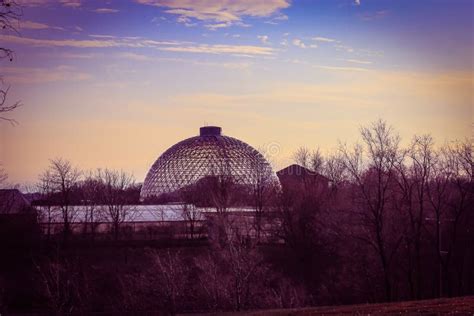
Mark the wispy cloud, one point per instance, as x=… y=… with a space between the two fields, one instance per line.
x=37 y=26
x=263 y=39
x=135 y=57
x=324 y=39
x=99 y=43
x=24 y=75
x=107 y=41
x=345 y=48
x=102 y=36
x=35 y=3
x=221 y=49
x=221 y=12
x=79 y=56
x=299 y=43
x=147 y=58
x=369 y=16
x=337 y=68
x=105 y=10
x=358 y=61
x=277 y=19
x=71 y=3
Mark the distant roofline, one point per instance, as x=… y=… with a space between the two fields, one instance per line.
x=298 y=170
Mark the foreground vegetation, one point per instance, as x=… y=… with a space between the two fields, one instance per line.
x=375 y=222
x=450 y=306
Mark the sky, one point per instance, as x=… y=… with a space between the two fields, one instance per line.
x=115 y=83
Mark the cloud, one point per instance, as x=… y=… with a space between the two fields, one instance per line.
x=357 y=2
x=102 y=36
x=222 y=49
x=213 y=27
x=43 y=3
x=297 y=42
x=263 y=39
x=71 y=3
x=79 y=56
x=277 y=19
x=324 y=39
x=135 y=57
x=103 y=42
x=357 y=61
x=105 y=10
x=221 y=12
x=26 y=75
x=345 y=48
x=370 y=16
x=37 y=26
x=146 y=58
x=337 y=68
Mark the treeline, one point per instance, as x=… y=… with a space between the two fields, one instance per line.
x=371 y=222
x=63 y=183
x=395 y=223
x=63 y=186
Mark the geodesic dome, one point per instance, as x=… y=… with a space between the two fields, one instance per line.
x=209 y=154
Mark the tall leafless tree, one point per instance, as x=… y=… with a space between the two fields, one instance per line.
x=413 y=175
x=221 y=186
x=46 y=189
x=64 y=178
x=191 y=214
x=91 y=190
x=372 y=168
x=264 y=188
x=113 y=186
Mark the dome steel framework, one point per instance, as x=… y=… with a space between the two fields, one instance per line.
x=209 y=154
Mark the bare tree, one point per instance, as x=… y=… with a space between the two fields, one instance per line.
x=63 y=177
x=10 y=13
x=172 y=275
x=311 y=161
x=61 y=285
x=221 y=186
x=91 y=190
x=372 y=169
x=335 y=170
x=190 y=212
x=3 y=176
x=46 y=189
x=451 y=196
x=413 y=175
x=264 y=188
x=113 y=186
x=231 y=270
x=244 y=262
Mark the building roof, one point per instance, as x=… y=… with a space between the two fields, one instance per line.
x=296 y=171
x=12 y=201
x=209 y=154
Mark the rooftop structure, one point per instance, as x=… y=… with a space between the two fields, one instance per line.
x=210 y=154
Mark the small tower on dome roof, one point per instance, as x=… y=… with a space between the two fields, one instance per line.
x=210 y=131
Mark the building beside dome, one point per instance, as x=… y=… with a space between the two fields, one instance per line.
x=210 y=155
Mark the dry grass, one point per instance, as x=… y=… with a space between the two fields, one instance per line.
x=444 y=306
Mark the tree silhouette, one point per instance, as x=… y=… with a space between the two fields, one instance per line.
x=10 y=13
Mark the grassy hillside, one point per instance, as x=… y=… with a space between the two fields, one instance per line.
x=444 y=306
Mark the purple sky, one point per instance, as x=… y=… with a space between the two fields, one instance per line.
x=115 y=83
